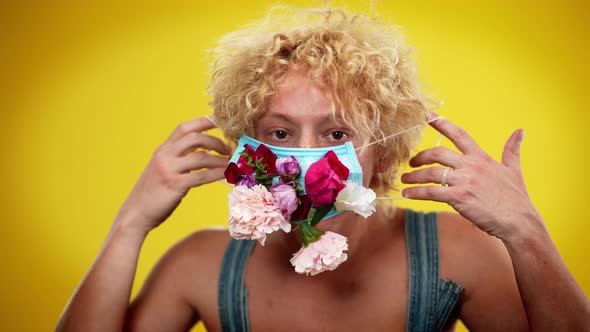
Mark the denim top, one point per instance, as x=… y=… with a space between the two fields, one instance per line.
x=430 y=303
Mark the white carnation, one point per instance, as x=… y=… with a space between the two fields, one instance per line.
x=356 y=198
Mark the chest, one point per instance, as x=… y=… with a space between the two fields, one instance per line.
x=368 y=292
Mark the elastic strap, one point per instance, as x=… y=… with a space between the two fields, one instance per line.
x=401 y=132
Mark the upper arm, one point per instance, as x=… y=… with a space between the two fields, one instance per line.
x=160 y=305
x=491 y=300
x=178 y=286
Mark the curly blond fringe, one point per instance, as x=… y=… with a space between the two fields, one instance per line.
x=361 y=63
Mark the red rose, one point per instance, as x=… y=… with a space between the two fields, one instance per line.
x=266 y=157
x=251 y=161
x=243 y=160
x=236 y=171
x=232 y=173
x=323 y=180
x=303 y=208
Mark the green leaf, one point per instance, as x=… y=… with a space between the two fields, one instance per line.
x=309 y=234
x=260 y=167
x=321 y=212
x=249 y=160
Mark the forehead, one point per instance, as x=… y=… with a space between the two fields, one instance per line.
x=296 y=95
x=296 y=91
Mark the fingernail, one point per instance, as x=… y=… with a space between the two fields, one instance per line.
x=404 y=194
x=521 y=136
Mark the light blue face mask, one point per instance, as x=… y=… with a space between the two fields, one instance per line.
x=307 y=156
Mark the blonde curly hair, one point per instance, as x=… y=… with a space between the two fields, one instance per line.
x=361 y=63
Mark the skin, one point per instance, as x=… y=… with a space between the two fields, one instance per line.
x=498 y=249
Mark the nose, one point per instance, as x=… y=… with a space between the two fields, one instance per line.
x=308 y=141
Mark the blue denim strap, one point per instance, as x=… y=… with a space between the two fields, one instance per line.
x=423 y=265
x=448 y=295
x=232 y=295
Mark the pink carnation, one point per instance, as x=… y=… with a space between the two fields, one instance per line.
x=325 y=254
x=254 y=213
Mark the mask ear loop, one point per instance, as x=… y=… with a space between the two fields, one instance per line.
x=403 y=132
x=210 y=118
x=440 y=137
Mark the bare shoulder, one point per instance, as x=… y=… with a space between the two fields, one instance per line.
x=206 y=245
x=481 y=264
x=194 y=257
x=464 y=247
x=182 y=286
x=195 y=262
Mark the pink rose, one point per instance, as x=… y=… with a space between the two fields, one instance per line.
x=322 y=255
x=286 y=196
x=323 y=180
x=288 y=167
x=254 y=213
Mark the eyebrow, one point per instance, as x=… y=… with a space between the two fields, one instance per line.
x=280 y=116
x=289 y=119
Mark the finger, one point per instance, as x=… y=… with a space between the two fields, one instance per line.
x=439 y=154
x=194 y=140
x=200 y=160
x=430 y=175
x=511 y=153
x=462 y=140
x=196 y=125
x=195 y=179
x=429 y=193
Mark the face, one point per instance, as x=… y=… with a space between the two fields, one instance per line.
x=299 y=116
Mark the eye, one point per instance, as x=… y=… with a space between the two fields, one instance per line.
x=338 y=135
x=280 y=134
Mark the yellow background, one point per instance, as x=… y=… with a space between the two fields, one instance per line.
x=88 y=90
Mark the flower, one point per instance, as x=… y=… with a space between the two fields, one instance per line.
x=268 y=197
x=246 y=180
x=233 y=173
x=286 y=196
x=323 y=180
x=267 y=158
x=236 y=171
x=262 y=161
x=302 y=209
x=356 y=198
x=245 y=156
x=288 y=167
x=324 y=254
x=254 y=213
